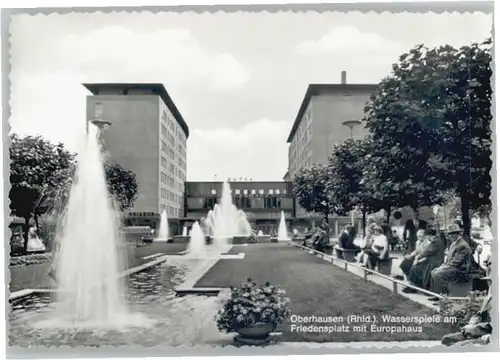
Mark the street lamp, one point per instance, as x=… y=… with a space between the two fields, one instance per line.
x=351 y=124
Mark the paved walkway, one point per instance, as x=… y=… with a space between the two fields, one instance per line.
x=419 y=298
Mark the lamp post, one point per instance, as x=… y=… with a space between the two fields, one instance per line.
x=351 y=124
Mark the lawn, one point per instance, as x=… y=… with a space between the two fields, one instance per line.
x=316 y=288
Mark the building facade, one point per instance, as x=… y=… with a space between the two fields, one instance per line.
x=329 y=114
x=262 y=202
x=324 y=119
x=148 y=136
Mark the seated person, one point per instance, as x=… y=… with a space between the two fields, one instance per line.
x=371 y=225
x=457 y=266
x=321 y=240
x=430 y=255
x=409 y=259
x=479 y=328
x=346 y=239
x=379 y=250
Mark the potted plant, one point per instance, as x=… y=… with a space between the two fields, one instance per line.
x=253 y=312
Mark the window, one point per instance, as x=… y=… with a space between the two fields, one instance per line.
x=164 y=116
x=214 y=192
x=164 y=162
x=245 y=192
x=261 y=192
x=270 y=191
x=253 y=192
x=163 y=178
x=164 y=146
x=237 y=191
x=98 y=111
x=163 y=130
x=277 y=191
x=163 y=193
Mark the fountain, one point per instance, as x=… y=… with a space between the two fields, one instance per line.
x=282 y=231
x=90 y=292
x=225 y=221
x=163 y=233
x=185 y=231
x=197 y=248
x=260 y=233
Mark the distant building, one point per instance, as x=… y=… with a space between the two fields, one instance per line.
x=321 y=121
x=148 y=135
x=262 y=202
x=325 y=118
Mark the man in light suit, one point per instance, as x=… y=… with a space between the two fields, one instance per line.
x=457 y=265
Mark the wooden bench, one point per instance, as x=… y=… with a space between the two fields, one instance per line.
x=385 y=267
x=345 y=254
x=147 y=239
x=460 y=289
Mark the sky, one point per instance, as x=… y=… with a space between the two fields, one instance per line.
x=238 y=79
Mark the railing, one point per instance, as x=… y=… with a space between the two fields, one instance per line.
x=366 y=271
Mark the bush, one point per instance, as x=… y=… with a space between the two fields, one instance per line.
x=251 y=304
x=462 y=311
x=30 y=259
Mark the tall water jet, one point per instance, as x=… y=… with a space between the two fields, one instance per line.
x=282 y=231
x=185 y=231
x=90 y=259
x=163 y=233
x=226 y=220
x=196 y=247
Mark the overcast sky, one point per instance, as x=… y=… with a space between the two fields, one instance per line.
x=237 y=79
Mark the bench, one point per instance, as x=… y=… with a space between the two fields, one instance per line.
x=460 y=289
x=147 y=239
x=345 y=254
x=385 y=267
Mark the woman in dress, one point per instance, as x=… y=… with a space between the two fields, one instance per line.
x=379 y=250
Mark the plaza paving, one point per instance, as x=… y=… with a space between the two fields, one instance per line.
x=35 y=276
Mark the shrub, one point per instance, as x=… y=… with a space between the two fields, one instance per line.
x=250 y=304
x=462 y=311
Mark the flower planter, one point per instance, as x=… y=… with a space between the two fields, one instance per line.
x=256 y=334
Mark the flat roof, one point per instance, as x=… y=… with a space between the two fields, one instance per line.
x=156 y=89
x=237 y=182
x=318 y=89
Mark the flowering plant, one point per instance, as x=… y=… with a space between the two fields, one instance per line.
x=250 y=304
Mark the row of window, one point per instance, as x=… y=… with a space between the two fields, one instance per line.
x=271 y=202
x=171 y=196
x=168 y=119
x=172 y=211
x=253 y=192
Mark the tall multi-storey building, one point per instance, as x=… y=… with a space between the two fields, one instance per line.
x=325 y=117
x=329 y=114
x=148 y=135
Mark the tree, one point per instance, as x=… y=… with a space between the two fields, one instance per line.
x=399 y=173
x=122 y=184
x=430 y=121
x=38 y=169
x=309 y=188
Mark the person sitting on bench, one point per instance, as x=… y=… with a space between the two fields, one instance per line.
x=346 y=239
x=430 y=256
x=478 y=330
x=457 y=266
x=379 y=250
x=321 y=239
